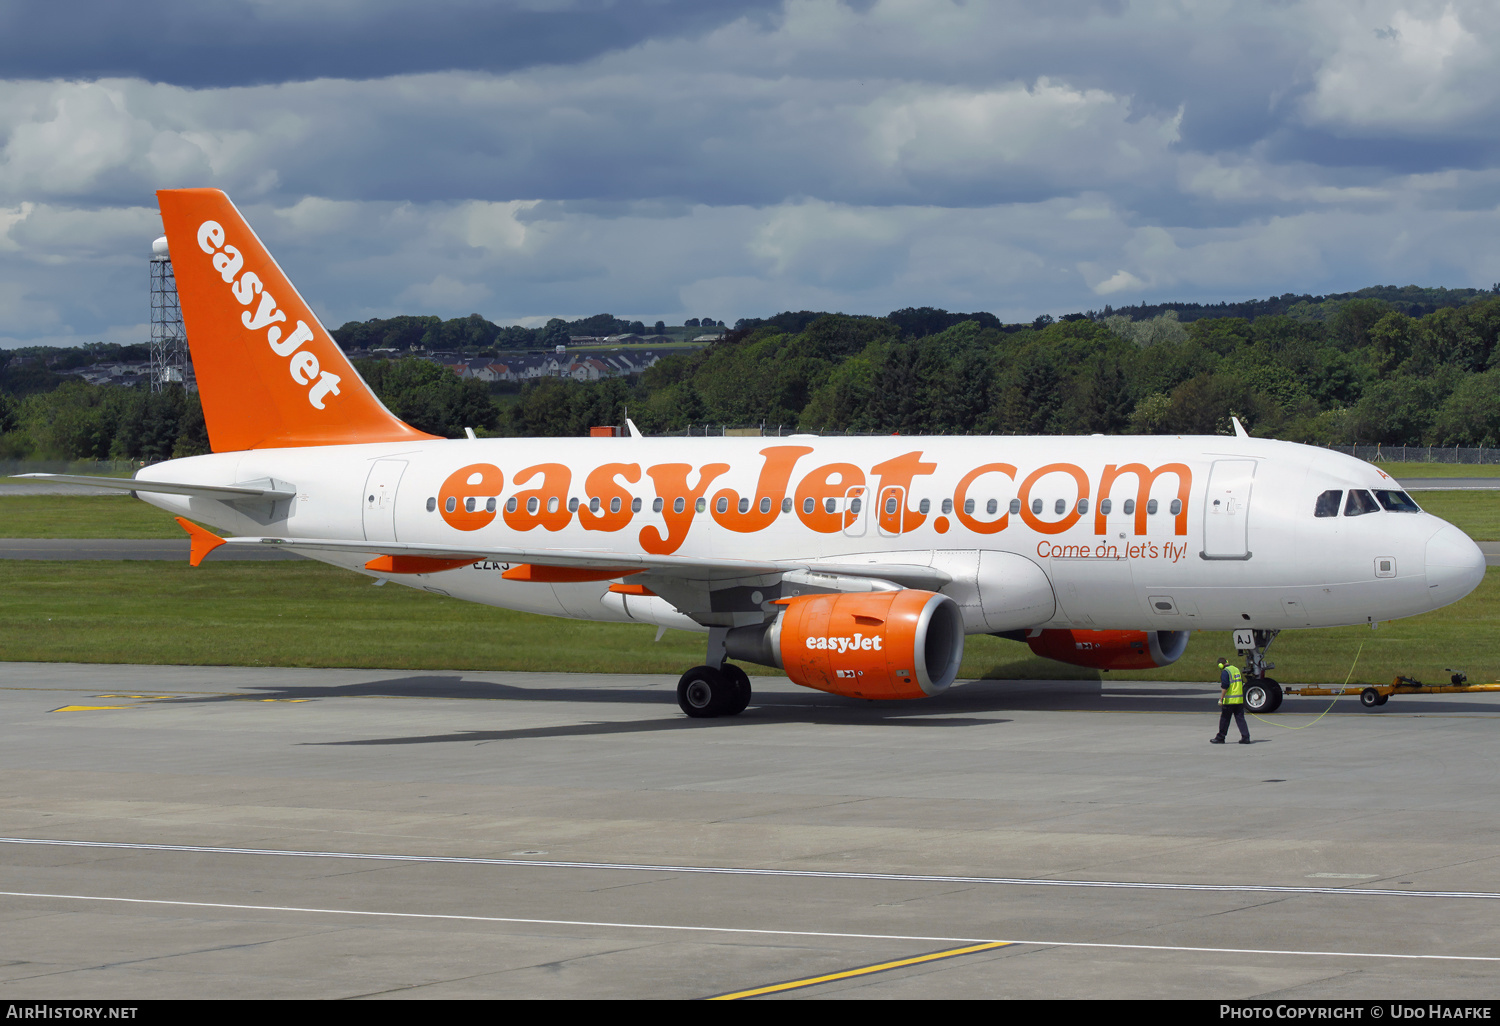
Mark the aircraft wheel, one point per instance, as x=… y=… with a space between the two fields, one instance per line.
x=703 y=692
x=740 y=680
x=1370 y=698
x=1263 y=695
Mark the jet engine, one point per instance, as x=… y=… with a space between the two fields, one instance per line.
x=885 y=644
x=1110 y=650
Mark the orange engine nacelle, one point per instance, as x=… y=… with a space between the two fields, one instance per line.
x=883 y=644
x=1110 y=650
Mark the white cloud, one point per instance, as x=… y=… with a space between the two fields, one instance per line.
x=1019 y=157
x=1417 y=68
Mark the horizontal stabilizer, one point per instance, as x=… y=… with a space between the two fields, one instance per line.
x=221 y=493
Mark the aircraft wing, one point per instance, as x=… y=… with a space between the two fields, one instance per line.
x=692 y=568
x=266 y=491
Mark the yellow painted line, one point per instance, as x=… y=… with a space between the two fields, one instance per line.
x=866 y=970
x=91 y=708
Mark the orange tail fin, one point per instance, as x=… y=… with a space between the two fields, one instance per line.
x=268 y=374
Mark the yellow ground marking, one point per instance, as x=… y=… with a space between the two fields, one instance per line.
x=866 y=970
x=91 y=708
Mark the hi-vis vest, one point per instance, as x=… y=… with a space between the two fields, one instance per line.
x=1236 y=693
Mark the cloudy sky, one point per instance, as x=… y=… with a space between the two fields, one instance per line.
x=672 y=158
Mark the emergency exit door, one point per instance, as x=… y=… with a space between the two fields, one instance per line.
x=1226 y=510
x=380 y=499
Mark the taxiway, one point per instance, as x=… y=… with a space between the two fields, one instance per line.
x=199 y=831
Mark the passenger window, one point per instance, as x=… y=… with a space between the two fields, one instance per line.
x=657 y=505
x=1328 y=503
x=807 y=505
x=1060 y=506
x=1129 y=506
x=1083 y=506
x=1015 y=505
x=678 y=504
x=1397 y=502
x=1359 y=503
x=969 y=507
x=745 y=505
x=991 y=507
x=765 y=504
x=947 y=506
x=635 y=505
x=786 y=505
x=924 y=506
x=1036 y=505
x=1151 y=507
x=1176 y=506
x=1105 y=506
x=723 y=505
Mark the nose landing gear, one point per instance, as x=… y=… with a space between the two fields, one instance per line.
x=1262 y=694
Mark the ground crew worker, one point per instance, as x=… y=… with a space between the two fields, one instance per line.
x=1231 y=702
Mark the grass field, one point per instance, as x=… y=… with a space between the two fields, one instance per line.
x=308 y=614
x=83 y=516
x=1477 y=514
x=1402 y=471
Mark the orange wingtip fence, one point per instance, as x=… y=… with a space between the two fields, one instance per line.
x=204 y=541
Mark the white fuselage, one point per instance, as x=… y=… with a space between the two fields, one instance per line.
x=1223 y=534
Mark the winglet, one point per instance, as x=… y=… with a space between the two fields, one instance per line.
x=204 y=540
x=1239 y=429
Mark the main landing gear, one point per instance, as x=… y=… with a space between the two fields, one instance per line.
x=714 y=690
x=704 y=691
x=1262 y=693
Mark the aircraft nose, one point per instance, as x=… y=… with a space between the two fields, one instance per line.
x=1455 y=566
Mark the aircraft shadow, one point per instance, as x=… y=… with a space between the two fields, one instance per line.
x=966 y=704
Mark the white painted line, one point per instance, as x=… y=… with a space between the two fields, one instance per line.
x=737 y=930
x=812 y=874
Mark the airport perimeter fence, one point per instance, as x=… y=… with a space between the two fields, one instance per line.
x=1419 y=453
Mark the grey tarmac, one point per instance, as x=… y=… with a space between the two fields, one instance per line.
x=546 y=835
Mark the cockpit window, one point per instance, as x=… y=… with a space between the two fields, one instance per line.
x=1328 y=503
x=1359 y=503
x=1397 y=502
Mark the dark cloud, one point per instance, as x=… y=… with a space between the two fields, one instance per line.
x=198 y=44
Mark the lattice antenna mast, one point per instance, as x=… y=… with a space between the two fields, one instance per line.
x=169 y=349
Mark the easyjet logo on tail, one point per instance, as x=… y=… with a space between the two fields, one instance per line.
x=264 y=315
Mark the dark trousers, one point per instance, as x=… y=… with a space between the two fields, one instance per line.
x=1237 y=710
